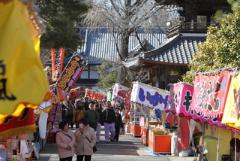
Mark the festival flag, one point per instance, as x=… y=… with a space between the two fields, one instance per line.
x=23 y=82
x=24 y=123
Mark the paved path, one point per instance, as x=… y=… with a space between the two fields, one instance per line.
x=127 y=149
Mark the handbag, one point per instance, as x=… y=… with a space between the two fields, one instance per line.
x=94 y=147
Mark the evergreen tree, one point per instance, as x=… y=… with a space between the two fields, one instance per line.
x=62 y=19
x=222 y=47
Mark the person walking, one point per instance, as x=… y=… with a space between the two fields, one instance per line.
x=86 y=103
x=65 y=141
x=80 y=111
x=70 y=111
x=98 y=109
x=92 y=116
x=118 y=124
x=85 y=141
x=109 y=122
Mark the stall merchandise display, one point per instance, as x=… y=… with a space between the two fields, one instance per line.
x=18 y=148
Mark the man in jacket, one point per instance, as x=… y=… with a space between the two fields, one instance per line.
x=109 y=122
x=92 y=116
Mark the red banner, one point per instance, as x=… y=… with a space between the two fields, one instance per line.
x=13 y=126
x=94 y=95
x=209 y=97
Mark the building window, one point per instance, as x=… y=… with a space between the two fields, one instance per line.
x=93 y=74
x=84 y=74
x=201 y=22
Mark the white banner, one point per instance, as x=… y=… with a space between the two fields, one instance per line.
x=149 y=96
x=117 y=88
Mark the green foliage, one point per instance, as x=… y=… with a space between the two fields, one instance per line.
x=222 y=47
x=61 y=18
x=108 y=75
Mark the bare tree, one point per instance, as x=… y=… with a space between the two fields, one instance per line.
x=125 y=17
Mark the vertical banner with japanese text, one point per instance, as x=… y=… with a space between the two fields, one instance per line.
x=209 y=98
x=71 y=73
x=182 y=98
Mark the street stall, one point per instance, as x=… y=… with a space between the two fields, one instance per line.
x=206 y=115
x=149 y=104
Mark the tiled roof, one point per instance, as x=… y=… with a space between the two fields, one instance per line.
x=100 y=43
x=177 y=50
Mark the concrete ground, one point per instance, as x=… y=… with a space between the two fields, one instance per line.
x=127 y=149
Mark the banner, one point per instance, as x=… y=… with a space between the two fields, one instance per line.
x=94 y=95
x=149 y=96
x=23 y=82
x=121 y=94
x=24 y=123
x=231 y=114
x=53 y=60
x=61 y=60
x=117 y=88
x=210 y=93
x=42 y=124
x=71 y=73
x=181 y=94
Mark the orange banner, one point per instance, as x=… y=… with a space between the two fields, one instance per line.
x=53 y=59
x=61 y=60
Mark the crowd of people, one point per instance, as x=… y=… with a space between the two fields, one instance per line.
x=87 y=117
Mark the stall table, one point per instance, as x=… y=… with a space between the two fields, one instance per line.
x=159 y=143
x=136 y=130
